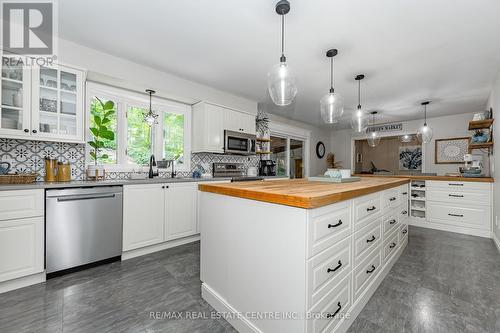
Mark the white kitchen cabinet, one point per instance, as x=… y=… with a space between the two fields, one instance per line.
x=21 y=247
x=143 y=215
x=42 y=103
x=180 y=210
x=210 y=121
x=21 y=233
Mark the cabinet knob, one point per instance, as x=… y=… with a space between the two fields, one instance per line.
x=34 y=131
x=26 y=130
x=163 y=187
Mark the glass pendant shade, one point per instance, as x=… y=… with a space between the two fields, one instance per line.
x=281 y=83
x=150 y=118
x=424 y=134
x=406 y=138
x=332 y=107
x=373 y=139
x=359 y=121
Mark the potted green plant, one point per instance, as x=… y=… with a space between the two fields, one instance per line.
x=100 y=132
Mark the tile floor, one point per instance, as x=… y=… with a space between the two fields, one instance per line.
x=443 y=282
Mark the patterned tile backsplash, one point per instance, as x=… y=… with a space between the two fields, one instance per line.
x=28 y=156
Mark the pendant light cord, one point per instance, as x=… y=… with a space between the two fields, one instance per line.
x=150 y=96
x=331 y=75
x=359 y=94
x=283 y=58
x=425 y=115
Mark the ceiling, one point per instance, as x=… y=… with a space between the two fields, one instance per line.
x=446 y=51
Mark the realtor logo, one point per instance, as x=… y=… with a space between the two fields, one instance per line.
x=28 y=27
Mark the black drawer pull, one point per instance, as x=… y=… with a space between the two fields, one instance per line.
x=392 y=221
x=371 y=239
x=392 y=245
x=455 y=184
x=392 y=199
x=335 y=225
x=371 y=270
x=369 y=209
x=456 y=215
x=404 y=212
x=405 y=231
x=331 y=315
x=404 y=193
x=330 y=270
x=456 y=195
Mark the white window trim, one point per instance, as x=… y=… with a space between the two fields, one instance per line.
x=123 y=99
x=290 y=132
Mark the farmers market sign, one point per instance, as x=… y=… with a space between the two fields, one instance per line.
x=392 y=127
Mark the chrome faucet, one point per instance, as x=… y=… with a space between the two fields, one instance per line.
x=174 y=173
x=153 y=171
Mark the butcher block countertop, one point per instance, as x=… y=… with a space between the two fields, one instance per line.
x=302 y=193
x=444 y=178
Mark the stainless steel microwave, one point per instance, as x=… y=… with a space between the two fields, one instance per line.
x=239 y=143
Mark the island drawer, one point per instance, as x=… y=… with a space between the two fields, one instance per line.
x=457 y=185
x=403 y=232
x=403 y=214
x=366 y=206
x=327 y=226
x=390 y=199
x=403 y=193
x=328 y=313
x=327 y=268
x=366 y=271
x=391 y=244
x=366 y=239
x=459 y=196
x=389 y=222
x=466 y=216
x=21 y=204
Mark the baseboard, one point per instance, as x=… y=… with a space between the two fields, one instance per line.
x=363 y=299
x=159 y=247
x=243 y=325
x=21 y=282
x=240 y=323
x=452 y=228
x=496 y=241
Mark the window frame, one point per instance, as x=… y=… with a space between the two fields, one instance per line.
x=123 y=99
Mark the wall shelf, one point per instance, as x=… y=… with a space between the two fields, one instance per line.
x=480 y=124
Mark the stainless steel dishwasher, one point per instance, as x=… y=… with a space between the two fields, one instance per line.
x=83 y=226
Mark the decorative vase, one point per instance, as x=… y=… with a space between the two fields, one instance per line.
x=95 y=172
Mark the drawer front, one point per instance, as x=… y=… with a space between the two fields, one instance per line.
x=404 y=193
x=327 y=268
x=459 y=196
x=403 y=231
x=333 y=307
x=367 y=238
x=391 y=245
x=327 y=227
x=403 y=213
x=473 y=217
x=366 y=207
x=21 y=204
x=366 y=271
x=390 y=222
x=458 y=186
x=390 y=199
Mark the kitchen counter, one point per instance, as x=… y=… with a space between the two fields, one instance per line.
x=302 y=193
x=444 y=178
x=91 y=183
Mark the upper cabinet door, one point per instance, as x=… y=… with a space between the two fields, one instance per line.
x=239 y=121
x=247 y=123
x=57 y=101
x=15 y=87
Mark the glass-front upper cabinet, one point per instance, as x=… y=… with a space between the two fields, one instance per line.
x=58 y=103
x=15 y=87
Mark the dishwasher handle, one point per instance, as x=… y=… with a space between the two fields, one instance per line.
x=85 y=197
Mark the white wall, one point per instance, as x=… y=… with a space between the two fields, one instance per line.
x=444 y=127
x=494 y=103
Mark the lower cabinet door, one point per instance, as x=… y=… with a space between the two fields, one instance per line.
x=21 y=247
x=143 y=215
x=180 y=210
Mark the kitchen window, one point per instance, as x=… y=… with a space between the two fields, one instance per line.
x=131 y=148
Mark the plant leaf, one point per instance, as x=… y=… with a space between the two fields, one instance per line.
x=92 y=154
x=107 y=134
x=93 y=144
x=105 y=120
x=109 y=105
x=104 y=156
x=94 y=131
x=97 y=120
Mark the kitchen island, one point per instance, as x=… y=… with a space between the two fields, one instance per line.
x=299 y=256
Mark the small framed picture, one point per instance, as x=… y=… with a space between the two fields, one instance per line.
x=451 y=151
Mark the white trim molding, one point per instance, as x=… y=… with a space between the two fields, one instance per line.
x=496 y=241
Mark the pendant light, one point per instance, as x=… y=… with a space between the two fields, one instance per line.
x=405 y=138
x=150 y=117
x=359 y=120
x=373 y=136
x=281 y=81
x=425 y=132
x=332 y=104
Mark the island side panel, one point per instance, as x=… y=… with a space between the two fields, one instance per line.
x=253 y=257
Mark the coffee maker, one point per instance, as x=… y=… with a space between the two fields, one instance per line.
x=267 y=168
